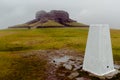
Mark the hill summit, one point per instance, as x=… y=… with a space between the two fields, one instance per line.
x=54 y=18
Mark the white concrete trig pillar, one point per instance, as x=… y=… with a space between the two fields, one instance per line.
x=98 y=57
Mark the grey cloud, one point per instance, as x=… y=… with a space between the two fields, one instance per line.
x=86 y=11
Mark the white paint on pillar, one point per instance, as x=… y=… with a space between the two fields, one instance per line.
x=98 y=57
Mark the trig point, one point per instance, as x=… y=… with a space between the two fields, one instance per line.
x=98 y=55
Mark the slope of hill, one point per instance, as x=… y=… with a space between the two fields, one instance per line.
x=49 y=23
x=76 y=24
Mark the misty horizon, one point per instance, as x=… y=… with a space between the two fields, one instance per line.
x=88 y=11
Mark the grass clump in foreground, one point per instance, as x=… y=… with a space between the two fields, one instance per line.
x=14 y=66
x=19 y=67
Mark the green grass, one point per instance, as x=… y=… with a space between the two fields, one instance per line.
x=49 y=23
x=77 y=24
x=24 y=39
x=15 y=66
x=115 y=34
x=13 y=42
x=57 y=38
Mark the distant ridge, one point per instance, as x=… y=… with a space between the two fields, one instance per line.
x=54 y=18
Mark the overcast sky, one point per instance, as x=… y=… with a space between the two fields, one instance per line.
x=14 y=12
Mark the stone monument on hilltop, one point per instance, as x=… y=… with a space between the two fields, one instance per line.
x=98 y=55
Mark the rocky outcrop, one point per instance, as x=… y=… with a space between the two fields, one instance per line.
x=70 y=68
x=59 y=16
x=54 y=18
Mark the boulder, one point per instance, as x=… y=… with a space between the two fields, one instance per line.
x=82 y=78
x=73 y=75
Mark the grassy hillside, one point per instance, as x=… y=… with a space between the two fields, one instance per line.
x=20 y=26
x=35 y=39
x=24 y=39
x=49 y=23
x=76 y=24
x=14 y=42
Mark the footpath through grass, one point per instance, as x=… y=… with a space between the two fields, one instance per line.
x=13 y=42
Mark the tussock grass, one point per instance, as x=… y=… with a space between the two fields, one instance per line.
x=19 y=67
x=115 y=34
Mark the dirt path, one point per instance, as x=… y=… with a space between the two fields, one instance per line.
x=50 y=55
x=67 y=66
